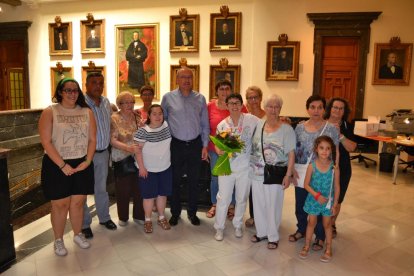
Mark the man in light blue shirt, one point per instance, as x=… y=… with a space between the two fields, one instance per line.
x=186 y=113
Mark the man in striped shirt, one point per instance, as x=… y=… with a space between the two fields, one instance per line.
x=102 y=110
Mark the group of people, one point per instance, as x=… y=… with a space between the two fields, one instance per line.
x=170 y=140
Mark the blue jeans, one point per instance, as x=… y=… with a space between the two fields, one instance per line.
x=214 y=180
x=101 y=164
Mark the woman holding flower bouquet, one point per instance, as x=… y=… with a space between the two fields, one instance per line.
x=217 y=111
x=237 y=131
x=273 y=144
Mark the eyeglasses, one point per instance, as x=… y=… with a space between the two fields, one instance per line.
x=337 y=108
x=70 y=91
x=224 y=88
x=253 y=98
x=234 y=103
x=147 y=95
x=127 y=103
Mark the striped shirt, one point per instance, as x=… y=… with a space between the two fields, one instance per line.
x=156 y=151
x=103 y=121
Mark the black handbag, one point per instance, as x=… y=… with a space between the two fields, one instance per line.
x=272 y=174
x=125 y=167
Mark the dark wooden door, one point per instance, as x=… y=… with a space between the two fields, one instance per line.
x=340 y=69
x=12 y=76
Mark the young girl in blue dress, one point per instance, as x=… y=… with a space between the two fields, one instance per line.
x=322 y=184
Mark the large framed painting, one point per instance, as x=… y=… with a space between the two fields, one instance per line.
x=224 y=71
x=137 y=58
x=57 y=74
x=392 y=62
x=282 y=60
x=194 y=68
x=92 y=35
x=60 y=38
x=225 y=30
x=184 y=32
x=92 y=68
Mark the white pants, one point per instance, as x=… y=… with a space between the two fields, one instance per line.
x=268 y=204
x=240 y=182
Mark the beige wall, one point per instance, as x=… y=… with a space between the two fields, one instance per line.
x=263 y=20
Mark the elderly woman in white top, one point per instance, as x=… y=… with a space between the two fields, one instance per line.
x=274 y=144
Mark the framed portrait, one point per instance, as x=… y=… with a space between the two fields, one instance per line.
x=282 y=60
x=58 y=73
x=194 y=68
x=92 y=36
x=392 y=63
x=225 y=30
x=60 y=38
x=91 y=68
x=184 y=32
x=224 y=71
x=137 y=58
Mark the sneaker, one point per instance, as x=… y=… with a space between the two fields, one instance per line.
x=122 y=223
x=238 y=232
x=139 y=221
x=80 y=240
x=60 y=248
x=219 y=235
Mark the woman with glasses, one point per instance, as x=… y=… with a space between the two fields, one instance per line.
x=254 y=97
x=337 y=112
x=217 y=111
x=146 y=94
x=124 y=123
x=68 y=135
x=242 y=125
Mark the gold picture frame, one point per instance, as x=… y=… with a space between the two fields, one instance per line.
x=91 y=68
x=58 y=73
x=194 y=68
x=225 y=30
x=282 y=59
x=392 y=63
x=224 y=71
x=92 y=35
x=60 y=38
x=147 y=69
x=184 y=32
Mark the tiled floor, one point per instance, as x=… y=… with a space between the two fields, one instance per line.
x=375 y=237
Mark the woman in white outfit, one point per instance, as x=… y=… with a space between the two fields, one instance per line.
x=243 y=125
x=273 y=143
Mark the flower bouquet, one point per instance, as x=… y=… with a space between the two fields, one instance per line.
x=230 y=143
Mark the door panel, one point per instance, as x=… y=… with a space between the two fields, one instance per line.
x=340 y=69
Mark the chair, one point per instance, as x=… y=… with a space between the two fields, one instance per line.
x=364 y=145
x=409 y=151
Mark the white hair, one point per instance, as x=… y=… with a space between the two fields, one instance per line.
x=271 y=98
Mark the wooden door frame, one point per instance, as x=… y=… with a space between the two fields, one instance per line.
x=19 y=31
x=352 y=24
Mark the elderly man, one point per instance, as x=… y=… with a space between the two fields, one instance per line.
x=186 y=113
x=102 y=110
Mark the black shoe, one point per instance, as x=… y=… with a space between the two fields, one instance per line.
x=194 y=220
x=109 y=225
x=174 y=220
x=87 y=232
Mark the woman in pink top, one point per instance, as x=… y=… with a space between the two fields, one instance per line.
x=147 y=96
x=217 y=111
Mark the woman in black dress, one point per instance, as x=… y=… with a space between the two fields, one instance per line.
x=337 y=112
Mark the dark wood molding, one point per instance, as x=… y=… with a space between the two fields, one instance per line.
x=19 y=31
x=12 y=2
x=356 y=24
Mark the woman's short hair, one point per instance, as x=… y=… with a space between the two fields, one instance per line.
x=347 y=109
x=271 y=98
x=146 y=88
x=223 y=82
x=121 y=96
x=57 y=97
x=234 y=96
x=254 y=89
x=315 y=98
